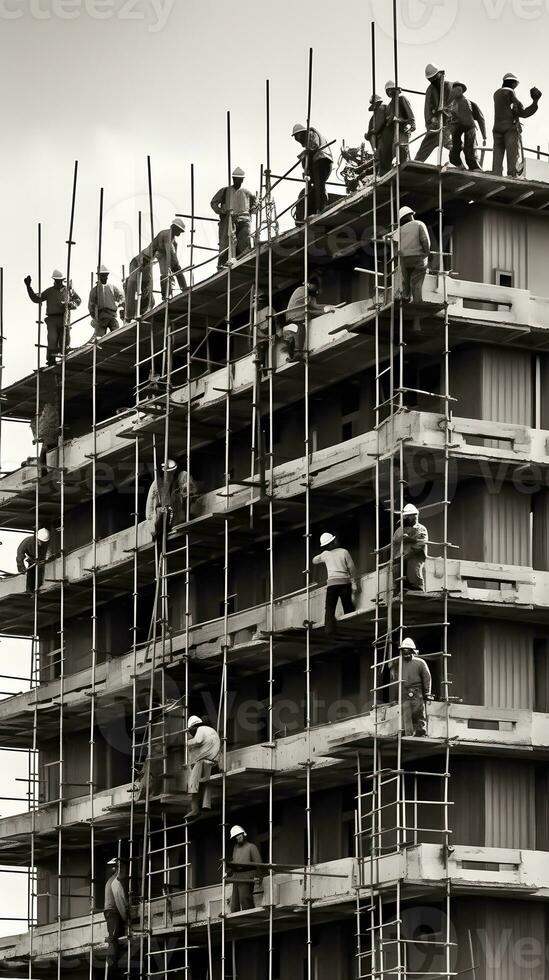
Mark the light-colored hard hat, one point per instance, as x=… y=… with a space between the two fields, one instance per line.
x=236 y=831
x=404 y=211
x=56 y=274
x=326 y=538
x=238 y=172
x=431 y=71
x=103 y=271
x=299 y=128
x=408 y=644
x=389 y=85
x=112 y=861
x=43 y=534
x=410 y=509
x=194 y=720
x=510 y=77
x=170 y=466
x=178 y=223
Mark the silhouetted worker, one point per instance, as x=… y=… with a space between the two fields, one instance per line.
x=317 y=161
x=399 y=107
x=203 y=747
x=244 y=853
x=343 y=581
x=508 y=111
x=263 y=314
x=116 y=913
x=28 y=561
x=166 y=499
x=235 y=206
x=464 y=117
x=164 y=248
x=104 y=303
x=302 y=302
x=57 y=299
x=380 y=134
x=415 y=247
x=410 y=540
x=415 y=677
x=433 y=114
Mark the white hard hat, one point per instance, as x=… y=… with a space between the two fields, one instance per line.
x=236 y=831
x=170 y=466
x=43 y=534
x=194 y=720
x=112 y=861
x=56 y=274
x=178 y=223
x=238 y=172
x=389 y=85
x=326 y=538
x=299 y=128
x=410 y=509
x=103 y=270
x=404 y=211
x=510 y=77
x=408 y=644
x=431 y=71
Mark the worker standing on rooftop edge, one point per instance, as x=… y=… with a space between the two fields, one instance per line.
x=379 y=134
x=464 y=117
x=116 y=913
x=399 y=108
x=508 y=111
x=343 y=581
x=57 y=299
x=164 y=248
x=28 y=561
x=103 y=304
x=410 y=540
x=415 y=677
x=244 y=853
x=234 y=205
x=317 y=161
x=203 y=748
x=434 y=113
x=415 y=248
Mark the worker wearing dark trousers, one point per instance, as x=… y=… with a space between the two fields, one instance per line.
x=410 y=542
x=433 y=115
x=400 y=107
x=317 y=161
x=508 y=111
x=116 y=915
x=164 y=248
x=244 y=853
x=465 y=115
x=415 y=247
x=380 y=134
x=343 y=582
x=234 y=206
x=27 y=560
x=57 y=299
x=415 y=679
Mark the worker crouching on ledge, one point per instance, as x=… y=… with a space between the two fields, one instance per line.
x=343 y=581
x=410 y=541
x=243 y=878
x=203 y=748
x=116 y=914
x=414 y=676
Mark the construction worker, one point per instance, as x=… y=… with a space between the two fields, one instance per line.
x=116 y=912
x=140 y=279
x=203 y=747
x=244 y=853
x=104 y=303
x=45 y=428
x=58 y=300
x=379 y=134
x=415 y=246
x=343 y=581
x=166 y=499
x=317 y=161
x=399 y=108
x=414 y=677
x=302 y=301
x=435 y=112
x=263 y=315
x=410 y=541
x=508 y=111
x=29 y=561
x=464 y=115
x=234 y=205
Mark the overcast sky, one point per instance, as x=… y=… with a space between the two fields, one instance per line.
x=106 y=82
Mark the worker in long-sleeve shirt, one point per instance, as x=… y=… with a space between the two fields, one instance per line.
x=167 y=498
x=140 y=279
x=343 y=581
x=244 y=853
x=27 y=559
x=302 y=305
x=508 y=111
x=436 y=112
x=465 y=115
x=115 y=910
x=317 y=161
x=58 y=300
x=379 y=134
x=399 y=108
x=414 y=677
x=415 y=246
x=410 y=542
x=203 y=748
x=234 y=205
x=103 y=304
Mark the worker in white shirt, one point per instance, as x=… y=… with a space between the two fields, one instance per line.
x=104 y=303
x=115 y=912
x=203 y=748
x=343 y=581
x=234 y=205
x=415 y=247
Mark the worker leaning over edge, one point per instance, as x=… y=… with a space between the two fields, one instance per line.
x=164 y=248
x=410 y=540
x=508 y=111
x=415 y=679
x=31 y=562
x=57 y=299
x=234 y=206
x=343 y=581
x=415 y=248
x=244 y=853
x=104 y=302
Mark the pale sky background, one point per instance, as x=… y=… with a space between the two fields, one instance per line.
x=157 y=77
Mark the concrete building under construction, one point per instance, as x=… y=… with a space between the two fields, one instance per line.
x=384 y=855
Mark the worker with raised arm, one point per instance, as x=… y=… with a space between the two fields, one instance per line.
x=317 y=162
x=399 y=109
x=58 y=300
x=437 y=98
x=414 y=676
x=343 y=581
x=379 y=134
x=508 y=111
x=243 y=877
x=203 y=748
x=415 y=246
x=234 y=205
x=464 y=116
x=115 y=910
x=31 y=556
x=104 y=303
x=140 y=279
x=410 y=541
x=303 y=303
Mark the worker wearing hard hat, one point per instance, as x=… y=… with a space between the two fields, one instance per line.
x=115 y=910
x=508 y=111
x=379 y=134
x=105 y=300
x=167 y=499
x=139 y=284
x=464 y=117
x=410 y=542
x=399 y=108
x=437 y=98
x=59 y=301
x=244 y=858
x=414 y=246
x=234 y=205
x=413 y=676
x=302 y=306
x=31 y=556
x=203 y=748
x=343 y=582
x=317 y=161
